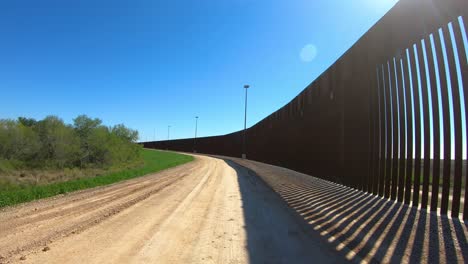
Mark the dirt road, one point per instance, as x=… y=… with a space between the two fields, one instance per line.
x=206 y=211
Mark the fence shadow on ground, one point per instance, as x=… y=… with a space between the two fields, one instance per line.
x=365 y=227
x=273 y=235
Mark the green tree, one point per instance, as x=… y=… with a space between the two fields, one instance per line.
x=17 y=141
x=29 y=122
x=59 y=143
x=125 y=133
x=83 y=126
x=100 y=146
x=50 y=142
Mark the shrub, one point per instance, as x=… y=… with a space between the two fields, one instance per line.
x=50 y=143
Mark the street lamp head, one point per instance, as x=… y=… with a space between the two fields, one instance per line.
x=196 y=117
x=246 y=86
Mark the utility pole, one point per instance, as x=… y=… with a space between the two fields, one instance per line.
x=244 y=147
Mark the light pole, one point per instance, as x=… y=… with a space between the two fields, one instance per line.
x=195 y=138
x=244 y=147
x=168 y=131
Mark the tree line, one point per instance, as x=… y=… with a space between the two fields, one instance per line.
x=51 y=143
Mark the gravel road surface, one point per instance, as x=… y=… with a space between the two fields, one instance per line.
x=207 y=211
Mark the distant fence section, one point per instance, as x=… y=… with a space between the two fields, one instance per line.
x=388 y=117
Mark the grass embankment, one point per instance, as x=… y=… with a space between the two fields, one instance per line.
x=154 y=161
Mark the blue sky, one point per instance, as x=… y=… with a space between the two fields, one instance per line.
x=150 y=64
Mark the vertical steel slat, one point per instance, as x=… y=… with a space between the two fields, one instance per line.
x=417 y=128
x=464 y=72
x=388 y=103
x=426 y=128
x=409 y=128
x=374 y=136
x=377 y=135
x=395 y=143
x=436 y=126
x=383 y=131
x=457 y=118
x=446 y=123
x=370 y=159
x=401 y=96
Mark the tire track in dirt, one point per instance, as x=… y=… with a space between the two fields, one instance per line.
x=87 y=205
x=43 y=206
x=31 y=228
x=207 y=211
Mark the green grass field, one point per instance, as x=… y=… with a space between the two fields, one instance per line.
x=154 y=161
